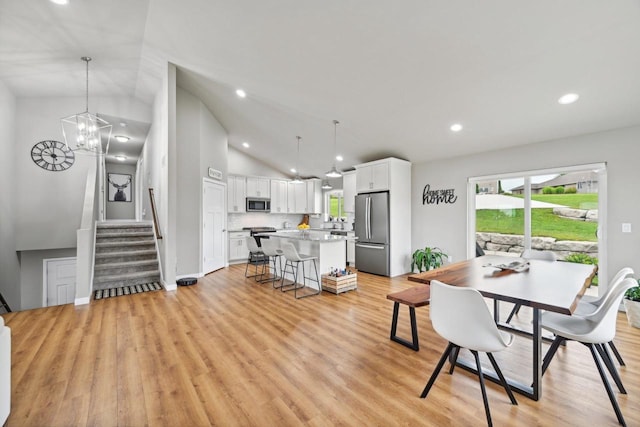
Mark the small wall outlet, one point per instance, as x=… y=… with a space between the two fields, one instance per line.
x=626 y=227
x=450 y=258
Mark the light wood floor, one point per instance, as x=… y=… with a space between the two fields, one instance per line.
x=229 y=351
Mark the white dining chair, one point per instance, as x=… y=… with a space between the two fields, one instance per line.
x=588 y=304
x=593 y=330
x=460 y=315
x=531 y=254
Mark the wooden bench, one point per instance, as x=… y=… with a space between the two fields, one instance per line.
x=413 y=297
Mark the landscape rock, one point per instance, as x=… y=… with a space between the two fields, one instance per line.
x=507 y=239
x=497 y=248
x=570 y=212
x=592 y=215
x=496 y=242
x=571 y=246
x=482 y=238
x=542 y=243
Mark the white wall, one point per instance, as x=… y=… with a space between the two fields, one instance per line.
x=9 y=263
x=48 y=205
x=243 y=164
x=122 y=210
x=159 y=172
x=188 y=217
x=203 y=142
x=31 y=271
x=445 y=225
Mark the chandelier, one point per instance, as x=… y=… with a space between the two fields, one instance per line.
x=86 y=132
x=334 y=172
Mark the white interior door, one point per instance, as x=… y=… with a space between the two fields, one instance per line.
x=60 y=281
x=213 y=227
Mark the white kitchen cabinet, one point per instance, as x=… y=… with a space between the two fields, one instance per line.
x=373 y=176
x=238 y=250
x=314 y=196
x=349 y=191
x=236 y=194
x=279 y=190
x=258 y=187
x=297 y=197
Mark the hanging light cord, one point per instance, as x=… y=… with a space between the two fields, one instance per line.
x=335 y=141
x=298 y=159
x=86 y=59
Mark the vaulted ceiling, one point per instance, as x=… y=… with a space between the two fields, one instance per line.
x=395 y=74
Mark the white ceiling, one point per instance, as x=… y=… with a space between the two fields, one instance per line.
x=395 y=74
x=131 y=149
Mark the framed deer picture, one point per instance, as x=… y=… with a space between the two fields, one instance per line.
x=119 y=187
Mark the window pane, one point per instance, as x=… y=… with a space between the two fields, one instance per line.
x=500 y=216
x=334 y=205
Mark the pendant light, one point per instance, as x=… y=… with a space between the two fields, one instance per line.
x=334 y=172
x=326 y=185
x=86 y=132
x=297 y=179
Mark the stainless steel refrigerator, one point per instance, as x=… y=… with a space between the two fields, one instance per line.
x=372 y=230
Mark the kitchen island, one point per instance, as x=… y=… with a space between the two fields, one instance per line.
x=331 y=250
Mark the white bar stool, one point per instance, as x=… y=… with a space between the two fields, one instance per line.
x=293 y=260
x=270 y=250
x=256 y=258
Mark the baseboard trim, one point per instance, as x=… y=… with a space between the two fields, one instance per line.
x=182 y=276
x=170 y=287
x=82 y=301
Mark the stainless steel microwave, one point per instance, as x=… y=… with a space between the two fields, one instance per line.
x=255 y=204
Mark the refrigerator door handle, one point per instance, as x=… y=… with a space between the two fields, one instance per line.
x=370 y=204
x=368 y=217
x=362 y=245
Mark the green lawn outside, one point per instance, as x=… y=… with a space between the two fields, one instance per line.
x=334 y=207
x=576 y=201
x=543 y=224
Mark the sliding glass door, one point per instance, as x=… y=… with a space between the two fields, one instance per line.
x=559 y=210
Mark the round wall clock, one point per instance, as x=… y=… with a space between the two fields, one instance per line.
x=52 y=156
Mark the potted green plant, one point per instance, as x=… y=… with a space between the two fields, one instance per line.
x=427 y=259
x=632 y=306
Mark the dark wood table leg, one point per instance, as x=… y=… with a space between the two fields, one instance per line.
x=413 y=345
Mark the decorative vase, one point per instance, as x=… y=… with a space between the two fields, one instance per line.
x=633 y=312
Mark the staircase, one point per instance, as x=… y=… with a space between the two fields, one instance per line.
x=125 y=255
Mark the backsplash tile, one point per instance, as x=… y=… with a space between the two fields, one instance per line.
x=236 y=221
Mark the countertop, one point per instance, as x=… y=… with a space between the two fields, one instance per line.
x=310 y=235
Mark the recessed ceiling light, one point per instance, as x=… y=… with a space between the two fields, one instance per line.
x=123 y=124
x=241 y=93
x=293 y=170
x=60 y=1
x=569 y=98
x=456 y=127
x=121 y=138
x=121 y=158
x=245 y=144
x=339 y=158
